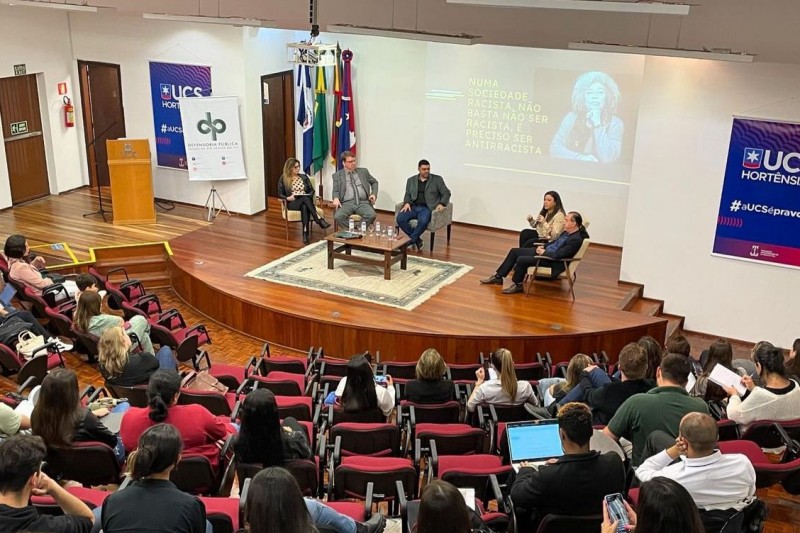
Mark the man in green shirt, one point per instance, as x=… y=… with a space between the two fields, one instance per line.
x=662 y=408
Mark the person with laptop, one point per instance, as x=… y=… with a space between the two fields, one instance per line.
x=572 y=480
x=661 y=408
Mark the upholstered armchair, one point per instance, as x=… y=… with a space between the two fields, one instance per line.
x=290 y=216
x=439 y=220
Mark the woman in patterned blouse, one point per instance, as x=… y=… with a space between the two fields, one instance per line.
x=296 y=189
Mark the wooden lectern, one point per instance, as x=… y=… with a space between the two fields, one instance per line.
x=131 y=181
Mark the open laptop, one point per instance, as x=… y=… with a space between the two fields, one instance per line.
x=534 y=441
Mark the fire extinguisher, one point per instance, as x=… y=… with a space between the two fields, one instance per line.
x=69 y=113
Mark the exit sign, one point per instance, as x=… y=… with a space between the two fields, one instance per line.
x=20 y=70
x=18 y=128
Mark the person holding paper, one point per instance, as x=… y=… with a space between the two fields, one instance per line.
x=719 y=353
x=296 y=189
x=778 y=399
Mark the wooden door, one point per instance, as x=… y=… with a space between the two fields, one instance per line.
x=22 y=138
x=103 y=114
x=278 y=120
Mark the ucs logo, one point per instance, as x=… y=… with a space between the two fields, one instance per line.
x=755 y=158
x=172 y=92
x=214 y=127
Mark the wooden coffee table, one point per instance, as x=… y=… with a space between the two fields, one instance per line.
x=393 y=250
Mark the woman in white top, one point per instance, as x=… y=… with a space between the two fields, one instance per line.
x=358 y=391
x=506 y=390
x=779 y=399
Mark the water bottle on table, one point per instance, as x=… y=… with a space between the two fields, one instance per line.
x=390 y=232
x=352 y=226
x=363 y=227
x=378 y=227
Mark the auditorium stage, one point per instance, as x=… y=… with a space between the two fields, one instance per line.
x=463 y=319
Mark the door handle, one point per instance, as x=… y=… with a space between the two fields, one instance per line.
x=23 y=136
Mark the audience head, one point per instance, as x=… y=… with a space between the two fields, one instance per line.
x=678 y=344
x=553 y=204
x=431 y=366
x=633 y=361
x=577 y=364
x=16 y=247
x=85 y=282
x=359 y=389
x=57 y=410
x=162 y=392
x=259 y=438
x=113 y=350
x=575 y=423
x=20 y=458
x=769 y=360
x=674 y=370
x=442 y=508
x=653 y=353
x=664 y=506
x=275 y=504
x=88 y=307
x=158 y=451
x=720 y=352
x=503 y=363
x=793 y=362
x=699 y=430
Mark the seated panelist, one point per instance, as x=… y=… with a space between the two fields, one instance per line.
x=425 y=193
x=354 y=191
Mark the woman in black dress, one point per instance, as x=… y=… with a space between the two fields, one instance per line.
x=296 y=189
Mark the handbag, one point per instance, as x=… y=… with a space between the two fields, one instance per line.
x=27 y=343
x=202 y=381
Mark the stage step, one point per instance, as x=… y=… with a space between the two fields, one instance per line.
x=635 y=302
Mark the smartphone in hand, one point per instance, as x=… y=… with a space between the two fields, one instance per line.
x=381 y=380
x=617 y=512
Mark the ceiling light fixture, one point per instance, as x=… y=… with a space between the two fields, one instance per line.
x=715 y=54
x=229 y=21
x=652 y=8
x=51 y=5
x=414 y=35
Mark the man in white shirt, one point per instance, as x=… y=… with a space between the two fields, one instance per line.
x=715 y=481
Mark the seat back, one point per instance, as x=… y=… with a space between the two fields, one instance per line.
x=336 y=415
x=353 y=475
x=10 y=361
x=298 y=407
x=511 y=412
x=473 y=472
x=554 y=523
x=452 y=439
x=87 y=343
x=530 y=371
x=89 y=463
x=573 y=265
x=38 y=302
x=136 y=394
x=60 y=321
x=216 y=403
x=292 y=365
x=435 y=413
x=330 y=367
x=280 y=385
x=194 y=475
x=376 y=440
x=462 y=373
x=400 y=370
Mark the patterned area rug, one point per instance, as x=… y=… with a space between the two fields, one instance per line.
x=308 y=268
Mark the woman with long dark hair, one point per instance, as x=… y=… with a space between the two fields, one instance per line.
x=60 y=420
x=262 y=439
x=504 y=390
x=664 y=506
x=199 y=429
x=357 y=391
x=778 y=399
x=295 y=187
x=90 y=319
x=719 y=353
x=547 y=225
x=442 y=508
x=152 y=502
x=654 y=353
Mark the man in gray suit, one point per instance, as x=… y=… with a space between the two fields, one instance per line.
x=354 y=191
x=425 y=192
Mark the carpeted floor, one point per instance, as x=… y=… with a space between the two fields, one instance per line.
x=308 y=268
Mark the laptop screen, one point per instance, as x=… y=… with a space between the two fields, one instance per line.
x=534 y=441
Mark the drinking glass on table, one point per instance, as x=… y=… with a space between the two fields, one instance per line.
x=371 y=230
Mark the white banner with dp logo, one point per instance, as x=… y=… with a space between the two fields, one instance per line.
x=213 y=138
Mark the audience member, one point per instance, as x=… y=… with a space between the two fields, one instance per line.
x=27 y=271
x=573 y=484
x=442 y=508
x=9 y=311
x=558 y=391
x=60 y=420
x=547 y=225
x=430 y=385
x=90 y=320
x=715 y=481
x=660 y=408
x=121 y=367
x=664 y=506
x=504 y=390
x=778 y=399
x=12 y=421
x=263 y=439
x=654 y=353
x=747 y=367
x=680 y=345
x=87 y=282
x=720 y=352
x=358 y=390
x=792 y=362
x=199 y=429
x=605 y=395
x=21 y=460
x=152 y=502
x=275 y=504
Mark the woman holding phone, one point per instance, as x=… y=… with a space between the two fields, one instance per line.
x=547 y=225
x=359 y=391
x=664 y=506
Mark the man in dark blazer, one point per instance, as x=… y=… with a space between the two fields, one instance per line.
x=573 y=484
x=425 y=192
x=519 y=259
x=354 y=192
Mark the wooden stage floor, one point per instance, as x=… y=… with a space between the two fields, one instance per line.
x=464 y=318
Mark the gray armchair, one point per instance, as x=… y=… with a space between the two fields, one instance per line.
x=439 y=220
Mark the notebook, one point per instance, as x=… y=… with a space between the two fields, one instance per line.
x=534 y=441
x=7 y=294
